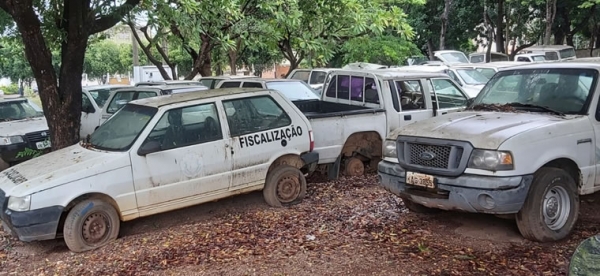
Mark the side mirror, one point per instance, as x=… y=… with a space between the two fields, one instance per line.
x=89 y=109
x=149 y=147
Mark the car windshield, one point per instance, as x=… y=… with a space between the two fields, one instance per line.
x=487 y=72
x=294 y=90
x=455 y=57
x=207 y=82
x=18 y=110
x=472 y=76
x=538 y=58
x=563 y=91
x=120 y=131
x=100 y=96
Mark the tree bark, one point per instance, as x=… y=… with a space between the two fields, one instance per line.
x=146 y=49
x=444 y=19
x=430 y=49
x=521 y=47
x=500 y=28
x=550 y=15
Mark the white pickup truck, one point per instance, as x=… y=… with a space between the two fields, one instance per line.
x=358 y=108
x=159 y=154
x=526 y=148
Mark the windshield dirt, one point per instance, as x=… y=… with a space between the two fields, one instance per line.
x=120 y=131
x=559 y=91
x=472 y=76
x=18 y=110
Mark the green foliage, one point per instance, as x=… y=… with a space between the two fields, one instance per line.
x=104 y=57
x=386 y=50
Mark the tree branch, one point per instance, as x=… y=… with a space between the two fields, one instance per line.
x=107 y=21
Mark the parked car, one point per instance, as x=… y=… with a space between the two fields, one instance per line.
x=168 y=82
x=526 y=148
x=23 y=132
x=314 y=77
x=480 y=57
x=360 y=107
x=489 y=69
x=552 y=52
x=122 y=96
x=450 y=57
x=211 y=82
x=293 y=89
x=531 y=57
x=93 y=100
x=160 y=154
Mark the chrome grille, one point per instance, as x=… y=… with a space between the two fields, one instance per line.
x=37 y=136
x=440 y=154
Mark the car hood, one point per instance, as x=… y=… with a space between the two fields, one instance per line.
x=57 y=168
x=22 y=127
x=487 y=130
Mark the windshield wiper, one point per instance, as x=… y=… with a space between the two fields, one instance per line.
x=544 y=108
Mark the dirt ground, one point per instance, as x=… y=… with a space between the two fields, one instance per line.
x=346 y=227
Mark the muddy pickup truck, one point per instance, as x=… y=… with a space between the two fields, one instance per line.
x=358 y=108
x=526 y=149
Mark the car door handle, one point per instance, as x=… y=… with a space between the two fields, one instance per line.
x=444 y=113
x=407 y=117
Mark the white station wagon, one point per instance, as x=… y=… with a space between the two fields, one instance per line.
x=159 y=154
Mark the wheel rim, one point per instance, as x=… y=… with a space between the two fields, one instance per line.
x=556 y=208
x=288 y=188
x=355 y=167
x=96 y=228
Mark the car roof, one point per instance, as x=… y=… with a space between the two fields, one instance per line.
x=15 y=99
x=165 y=82
x=158 y=88
x=548 y=47
x=493 y=64
x=585 y=59
x=266 y=80
x=191 y=96
x=557 y=65
x=226 y=77
x=104 y=86
x=392 y=73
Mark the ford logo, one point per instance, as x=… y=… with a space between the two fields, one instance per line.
x=427 y=156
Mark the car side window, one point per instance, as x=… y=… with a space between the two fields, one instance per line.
x=454 y=77
x=252 y=85
x=523 y=59
x=411 y=95
x=181 y=127
x=119 y=100
x=254 y=114
x=230 y=84
x=448 y=95
x=145 y=94
x=86 y=103
x=355 y=88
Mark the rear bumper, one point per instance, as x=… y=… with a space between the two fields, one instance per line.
x=310 y=160
x=470 y=193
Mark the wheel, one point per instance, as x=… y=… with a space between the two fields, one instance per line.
x=285 y=186
x=354 y=167
x=418 y=208
x=551 y=208
x=3 y=165
x=91 y=224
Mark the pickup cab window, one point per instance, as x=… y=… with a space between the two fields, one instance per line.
x=187 y=126
x=448 y=95
x=120 y=131
x=301 y=75
x=229 y=84
x=255 y=114
x=354 y=88
x=317 y=77
x=564 y=91
x=252 y=84
x=411 y=95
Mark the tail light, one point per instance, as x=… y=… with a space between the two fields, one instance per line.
x=312 y=140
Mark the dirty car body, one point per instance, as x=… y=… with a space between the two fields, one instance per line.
x=492 y=157
x=159 y=154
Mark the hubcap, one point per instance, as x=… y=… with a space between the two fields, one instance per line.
x=556 y=208
x=95 y=228
x=288 y=188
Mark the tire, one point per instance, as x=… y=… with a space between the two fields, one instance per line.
x=285 y=186
x=354 y=167
x=418 y=208
x=3 y=165
x=538 y=220
x=94 y=213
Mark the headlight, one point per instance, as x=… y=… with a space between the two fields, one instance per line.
x=9 y=140
x=491 y=160
x=19 y=204
x=389 y=149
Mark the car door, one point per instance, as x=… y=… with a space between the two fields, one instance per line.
x=90 y=115
x=192 y=161
x=448 y=97
x=414 y=103
x=260 y=129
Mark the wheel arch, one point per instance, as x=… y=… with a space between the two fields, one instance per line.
x=77 y=200
x=569 y=166
x=368 y=144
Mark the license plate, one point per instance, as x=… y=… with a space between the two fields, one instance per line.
x=43 y=144
x=419 y=179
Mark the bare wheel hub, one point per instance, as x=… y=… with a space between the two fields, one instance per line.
x=288 y=188
x=355 y=167
x=95 y=228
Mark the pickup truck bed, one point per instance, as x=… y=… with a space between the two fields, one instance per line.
x=314 y=109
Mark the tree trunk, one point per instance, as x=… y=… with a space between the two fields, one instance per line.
x=444 y=19
x=550 y=15
x=490 y=32
x=147 y=52
x=430 y=49
x=500 y=28
x=233 y=56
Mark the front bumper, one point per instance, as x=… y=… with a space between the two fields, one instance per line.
x=20 y=152
x=34 y=225
x=470 y=193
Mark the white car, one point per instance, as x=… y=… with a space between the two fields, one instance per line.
x=23 y=131
x=93 y=100
x=160 y=154
x=294 y=90
x=527 y=147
